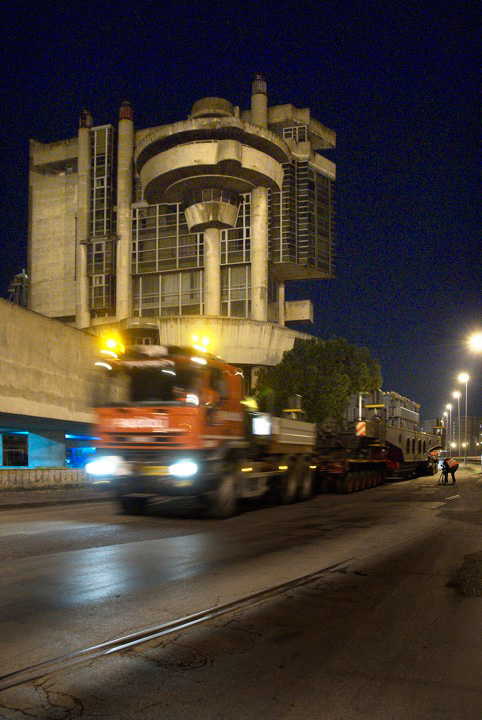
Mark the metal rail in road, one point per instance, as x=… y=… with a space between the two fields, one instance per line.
x=48 y=667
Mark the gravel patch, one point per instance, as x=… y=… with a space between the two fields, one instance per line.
x=468 y=580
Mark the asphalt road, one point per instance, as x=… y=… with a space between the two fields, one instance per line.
x=383 y=635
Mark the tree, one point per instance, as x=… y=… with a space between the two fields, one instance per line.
x=324 y=373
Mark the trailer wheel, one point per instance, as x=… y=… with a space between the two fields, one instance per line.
x=368 y=479
x=133 y=506
x=356 y=479
x=348 y=484
x=305 y=488
x=225 y=502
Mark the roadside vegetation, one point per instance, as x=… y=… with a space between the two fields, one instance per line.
x=324 y=372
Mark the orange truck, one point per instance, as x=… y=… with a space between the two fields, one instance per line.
x=176 y=427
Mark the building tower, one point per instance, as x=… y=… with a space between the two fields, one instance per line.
x=187 y=227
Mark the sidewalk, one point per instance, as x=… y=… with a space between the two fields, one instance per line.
x=16 y=499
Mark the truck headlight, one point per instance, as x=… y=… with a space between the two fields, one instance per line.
x=104 y=466
x=183 y=468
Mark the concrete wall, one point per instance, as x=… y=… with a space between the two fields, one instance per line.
x=22 y=478
x=45 y=366
x=236 y=340
x=53 y=207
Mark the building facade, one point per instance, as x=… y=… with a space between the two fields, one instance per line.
x=190 y=227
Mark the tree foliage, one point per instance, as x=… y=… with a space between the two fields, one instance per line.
x=324 y=373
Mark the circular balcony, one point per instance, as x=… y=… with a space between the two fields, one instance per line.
x=211 y=151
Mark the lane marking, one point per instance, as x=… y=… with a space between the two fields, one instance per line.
x=452 y=497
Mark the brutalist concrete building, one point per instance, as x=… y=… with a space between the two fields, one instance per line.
x=191 y=227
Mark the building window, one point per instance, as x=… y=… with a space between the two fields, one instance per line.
x=161 y=240
x=235 y=242
x=101 y=290
x=167 y=294
x=301 y=219
x=15 y=450
x=236 y=291
x=102 y=176
x=296 y=132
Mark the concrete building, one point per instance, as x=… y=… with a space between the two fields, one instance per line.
x=191 y=227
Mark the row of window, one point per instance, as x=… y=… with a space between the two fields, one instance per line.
x=182 y=293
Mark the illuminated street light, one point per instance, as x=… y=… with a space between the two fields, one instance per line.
x=464 y=378
x=456 y=395
x=475 y=342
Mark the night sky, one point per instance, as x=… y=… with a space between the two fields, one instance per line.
x=396 y=81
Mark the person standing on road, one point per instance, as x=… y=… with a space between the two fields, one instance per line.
x=449 y=465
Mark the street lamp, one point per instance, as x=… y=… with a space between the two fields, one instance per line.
x=449 y=408
x=475 y=342
x=464 y=378
x=456 y=395
x=446 y=422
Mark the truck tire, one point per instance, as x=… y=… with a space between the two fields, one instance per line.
x=225 y=502
x=288 y=485
x=305 y=479
x=369 y=479
x=133 y=506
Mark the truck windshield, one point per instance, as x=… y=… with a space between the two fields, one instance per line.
x=177 y=383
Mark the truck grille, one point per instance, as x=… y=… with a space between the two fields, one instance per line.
x=167 y=439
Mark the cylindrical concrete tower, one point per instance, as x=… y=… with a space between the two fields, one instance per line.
x=125 y=154
x=259 y=214
x=82 y=312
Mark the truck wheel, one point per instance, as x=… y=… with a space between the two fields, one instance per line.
x=305 y=488
x=133 y=506
x=289 y=485
x=226 y=500
x=325 y=486
x=369 y=479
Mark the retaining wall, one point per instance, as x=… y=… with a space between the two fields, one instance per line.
x=38 y=478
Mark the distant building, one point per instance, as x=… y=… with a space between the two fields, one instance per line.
x=190 y=227
x=474 y=434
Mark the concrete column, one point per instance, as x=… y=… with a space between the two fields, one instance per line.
x=125 y=154
x=259 y=101
x=46 y=449
x=281 y=303
x=212 y=271
x=82 y=312
x=259 y=254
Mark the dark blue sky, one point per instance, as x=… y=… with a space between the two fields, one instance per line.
x=397 y=82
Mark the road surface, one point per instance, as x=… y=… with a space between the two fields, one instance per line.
x=382 y=633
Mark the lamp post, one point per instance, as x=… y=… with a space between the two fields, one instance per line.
x=464 y=378
x=456 y=395
x=449 y=408
x=446 y=422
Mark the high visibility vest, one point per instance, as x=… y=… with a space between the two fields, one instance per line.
x=452 y=464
